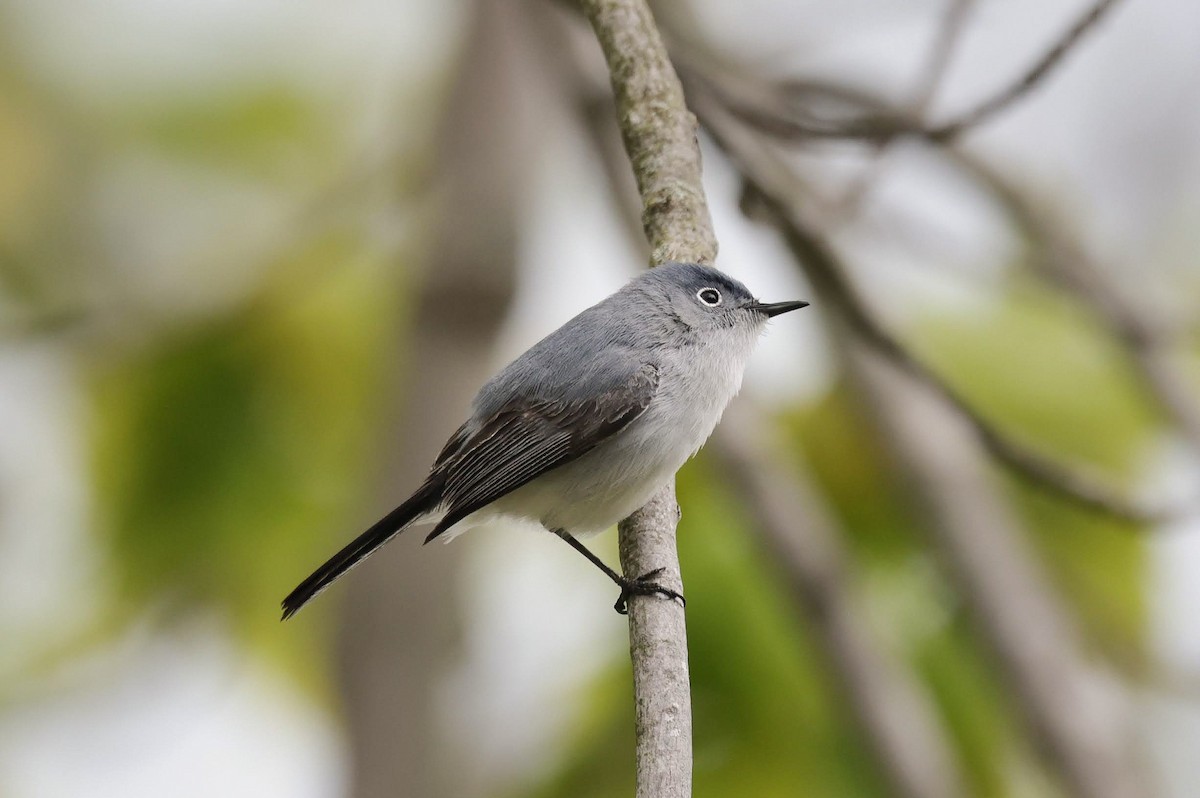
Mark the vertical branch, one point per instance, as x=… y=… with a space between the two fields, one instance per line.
x=658 y=648
x=660 y=139
x=658 y=130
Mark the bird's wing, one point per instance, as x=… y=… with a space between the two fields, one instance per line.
x=526 y=437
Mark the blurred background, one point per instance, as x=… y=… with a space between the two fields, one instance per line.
x=256 y=257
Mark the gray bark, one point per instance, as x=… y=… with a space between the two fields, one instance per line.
x=660 y=138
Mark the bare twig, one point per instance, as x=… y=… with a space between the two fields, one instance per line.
x=660 y=139
x=953 y=23
x=771 y=183
x=782 y=109
x=893 y=710
x=1029 y=80
x=954 y=20
x=1144 y=334
x=1146 y=337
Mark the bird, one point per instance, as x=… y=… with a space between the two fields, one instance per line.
x=584 y=427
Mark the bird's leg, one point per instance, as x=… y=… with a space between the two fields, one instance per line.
x=643 y=585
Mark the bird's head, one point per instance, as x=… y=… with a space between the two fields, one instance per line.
x=703 y=298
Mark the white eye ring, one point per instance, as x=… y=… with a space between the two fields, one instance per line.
x=709 y=296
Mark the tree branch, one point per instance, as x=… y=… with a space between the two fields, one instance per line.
x=1029 y=80
x=1142 y=332
x=781 y=109
x=770 y=182
x=658 y=130
x=660 y=139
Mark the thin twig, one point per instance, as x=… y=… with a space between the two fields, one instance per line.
x=937 y=63
x=949 y=31
x=660 y=139
x=1144 y=334
x=781 y=109
x=771 y=183
x=1030 y=79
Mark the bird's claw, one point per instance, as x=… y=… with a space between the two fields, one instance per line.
x=643 y=586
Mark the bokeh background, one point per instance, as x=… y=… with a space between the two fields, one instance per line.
x=256 y=256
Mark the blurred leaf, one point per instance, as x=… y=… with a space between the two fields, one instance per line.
x=1045 y=371
x=264 y=131
x=27 y=163
x=1100 y=565
x=851 y=465
x=224 y=453
x=914 y=604
x=975 y=710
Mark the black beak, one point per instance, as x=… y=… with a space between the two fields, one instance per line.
x=775 y=308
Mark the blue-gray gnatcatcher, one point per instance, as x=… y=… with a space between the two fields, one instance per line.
x=587 y=425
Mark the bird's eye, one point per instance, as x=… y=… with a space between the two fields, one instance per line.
x=709 y=296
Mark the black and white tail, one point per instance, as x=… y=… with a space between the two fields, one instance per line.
x=425 y=500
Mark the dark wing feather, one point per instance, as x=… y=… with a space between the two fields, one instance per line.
x=526 y=438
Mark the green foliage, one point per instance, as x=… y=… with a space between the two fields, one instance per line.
x=913 y=605
x=1045 y=370
x=1046 y=373
x=225 y=452
x=256 y=131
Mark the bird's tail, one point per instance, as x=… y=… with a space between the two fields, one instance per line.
x=386 y=528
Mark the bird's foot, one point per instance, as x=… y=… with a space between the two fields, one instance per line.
x=644 y=585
